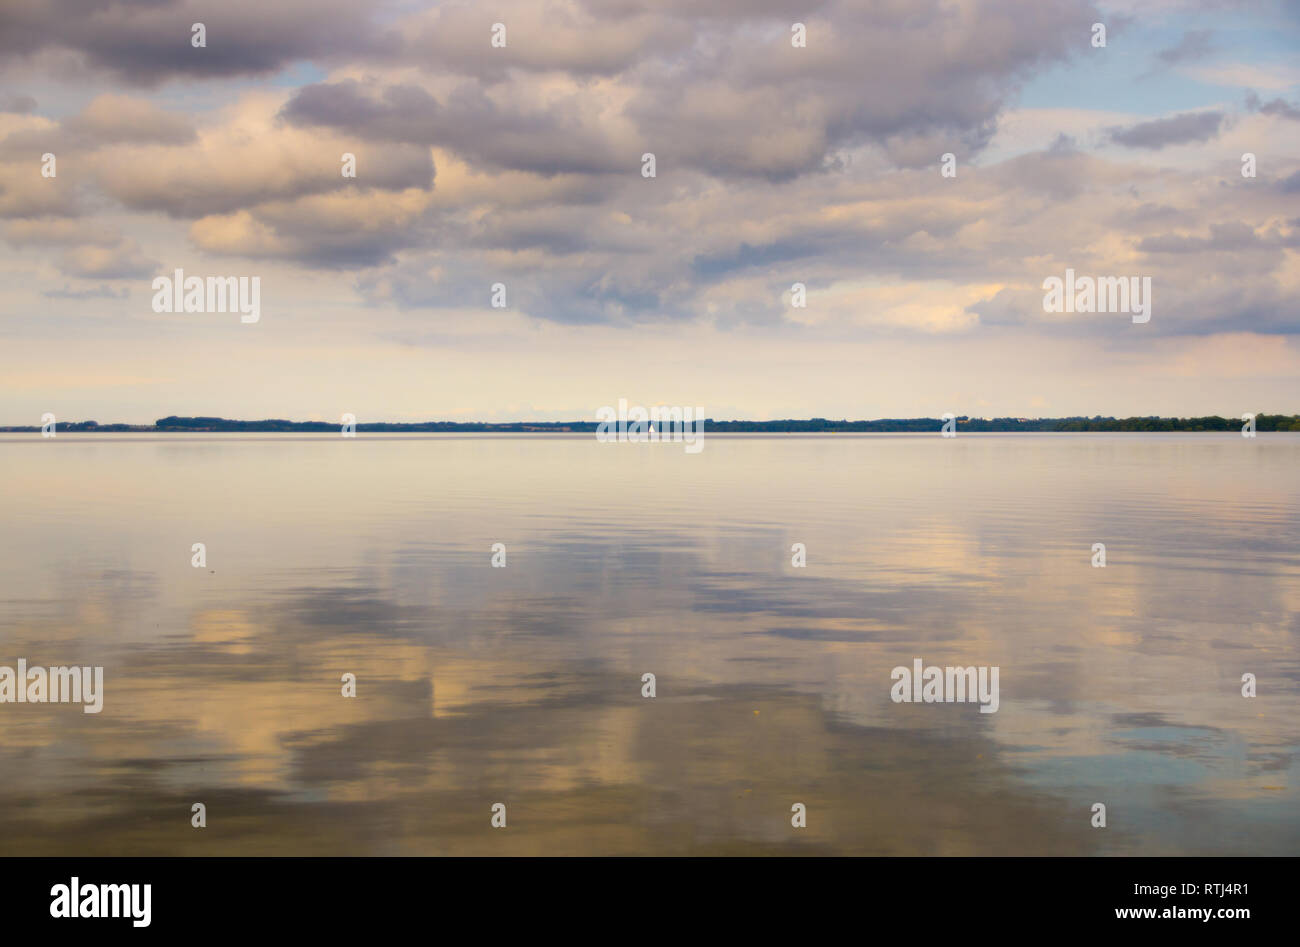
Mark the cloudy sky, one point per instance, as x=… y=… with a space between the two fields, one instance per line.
x=522 y=165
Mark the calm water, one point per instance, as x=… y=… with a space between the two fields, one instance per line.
x=522 y=685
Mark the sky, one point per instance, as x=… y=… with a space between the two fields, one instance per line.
x=521 y=164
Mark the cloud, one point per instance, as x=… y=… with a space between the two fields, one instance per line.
x=252 y=158
x=59 y=232
x=102 y=291
x=345 y=229
x=1195 y=44
x=396 y=113
x=503 y=128
x=112 y=119
x=729 y=96
x=24 y=193
x=1278 y=107
x=1247 y=75
x=14 y=102
x=1175 y=130
x=119 y=261
x=143 y=42
x=1223 y=237
x=775 y=164
x=87 y=250
x=594 y=38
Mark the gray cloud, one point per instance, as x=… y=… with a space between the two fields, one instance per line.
x=396 y=113
x=1223 y=237
x=1195 y=45
x=1279 y=107
x=558 y=139
x=725 y=96
x=16 y=103
x=143 y=42
x=192 y=185
x=1175 y=130
x=775 y=164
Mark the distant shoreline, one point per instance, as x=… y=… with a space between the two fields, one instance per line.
x=197 y=425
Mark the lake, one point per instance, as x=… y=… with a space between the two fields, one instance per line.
x=523 y=685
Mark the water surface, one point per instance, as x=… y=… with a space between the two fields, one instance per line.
x=522 y=684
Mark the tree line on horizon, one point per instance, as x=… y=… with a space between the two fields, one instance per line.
x=175 y=423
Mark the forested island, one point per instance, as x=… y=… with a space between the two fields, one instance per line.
x=173 y=423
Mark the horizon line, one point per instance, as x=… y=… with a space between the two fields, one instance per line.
x=217 y=424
